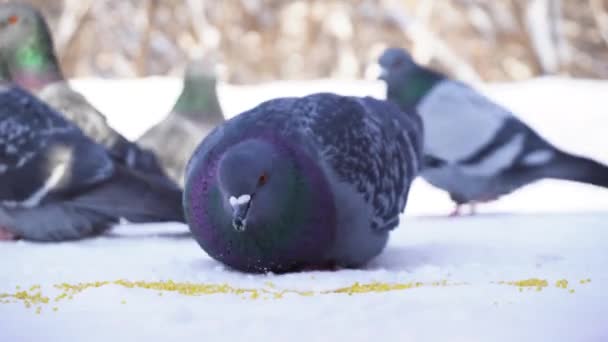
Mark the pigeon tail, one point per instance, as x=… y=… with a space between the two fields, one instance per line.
x=136 y=197
x=579 y=169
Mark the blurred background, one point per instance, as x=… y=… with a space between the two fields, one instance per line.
x=262 y=40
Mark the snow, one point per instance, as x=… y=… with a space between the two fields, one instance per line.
x=551 y=231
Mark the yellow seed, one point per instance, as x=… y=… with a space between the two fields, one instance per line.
x=532 y=282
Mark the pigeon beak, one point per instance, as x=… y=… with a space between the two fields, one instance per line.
x=240 y=207
x=239 y=219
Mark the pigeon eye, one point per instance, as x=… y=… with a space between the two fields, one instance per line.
x=13 y=19
x=397 y=63
x=263 y=179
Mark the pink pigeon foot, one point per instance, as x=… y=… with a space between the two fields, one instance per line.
x=456 y=212
x=473 y=208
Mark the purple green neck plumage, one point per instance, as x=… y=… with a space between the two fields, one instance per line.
x=33 y=64
x=303 y=208
x=409 y=90
x=198 y=98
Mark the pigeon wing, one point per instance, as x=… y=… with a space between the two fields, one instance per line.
x=41 y=153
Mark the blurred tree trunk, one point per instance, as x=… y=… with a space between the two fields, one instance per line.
x=601 y=17
x=262 y=40
x=73 y=18
x=141 y=63
x=543 y=23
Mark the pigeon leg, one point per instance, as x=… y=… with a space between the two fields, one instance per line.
x=456 y=212
x=473 y=208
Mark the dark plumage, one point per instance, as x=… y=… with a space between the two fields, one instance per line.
x=302 y=182
x=196 y=112
x=475 y=149
x=57 y=184
x=28 y=59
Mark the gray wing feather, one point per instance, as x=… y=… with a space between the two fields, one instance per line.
x=174 y=140
x=35 y=141
x=89 y=194
x=131 y=195
x=93 y=123
x=369 y=143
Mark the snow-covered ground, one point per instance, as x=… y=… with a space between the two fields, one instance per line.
x=500 y=276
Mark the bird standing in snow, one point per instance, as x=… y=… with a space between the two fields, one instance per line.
x=196 y=112
x=57 y=184
x=475 y=149
x=315 y=181
x=28 y=59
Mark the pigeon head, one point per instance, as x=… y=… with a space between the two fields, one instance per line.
x=408 y=83
x=198 y=98
x=26 y=46
x=18 y=24
x=252 y=181
x=258 y=207
x=396 y=63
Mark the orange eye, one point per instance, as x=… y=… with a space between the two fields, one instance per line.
x=13 y=19
x=263 y=179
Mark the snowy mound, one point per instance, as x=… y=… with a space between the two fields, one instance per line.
x=532 y=267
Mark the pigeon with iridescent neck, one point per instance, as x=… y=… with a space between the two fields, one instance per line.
x=475 y=149
x=311 y=182
x=196 y=112
x=28 y=59
x=58 y=184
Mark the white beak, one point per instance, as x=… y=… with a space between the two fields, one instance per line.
x=238 y=201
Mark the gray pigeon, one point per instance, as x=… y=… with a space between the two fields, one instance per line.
x=475 y=149
x=57 y=184
x=311 y=182
x=196 y=112
x=28 y=59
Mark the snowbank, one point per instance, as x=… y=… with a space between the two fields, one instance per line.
x=496 y=277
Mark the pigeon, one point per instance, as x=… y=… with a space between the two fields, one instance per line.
x=196 y=112
x=58 y=184
x=475 y=149
x=313 y=182
x=28 y=59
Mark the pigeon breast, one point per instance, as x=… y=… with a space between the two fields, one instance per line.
x=358 y=155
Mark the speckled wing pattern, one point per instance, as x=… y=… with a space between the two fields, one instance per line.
x=369 y=143
x=37 y=142
x=372 y=145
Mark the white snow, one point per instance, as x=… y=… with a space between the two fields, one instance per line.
x=550 y=230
